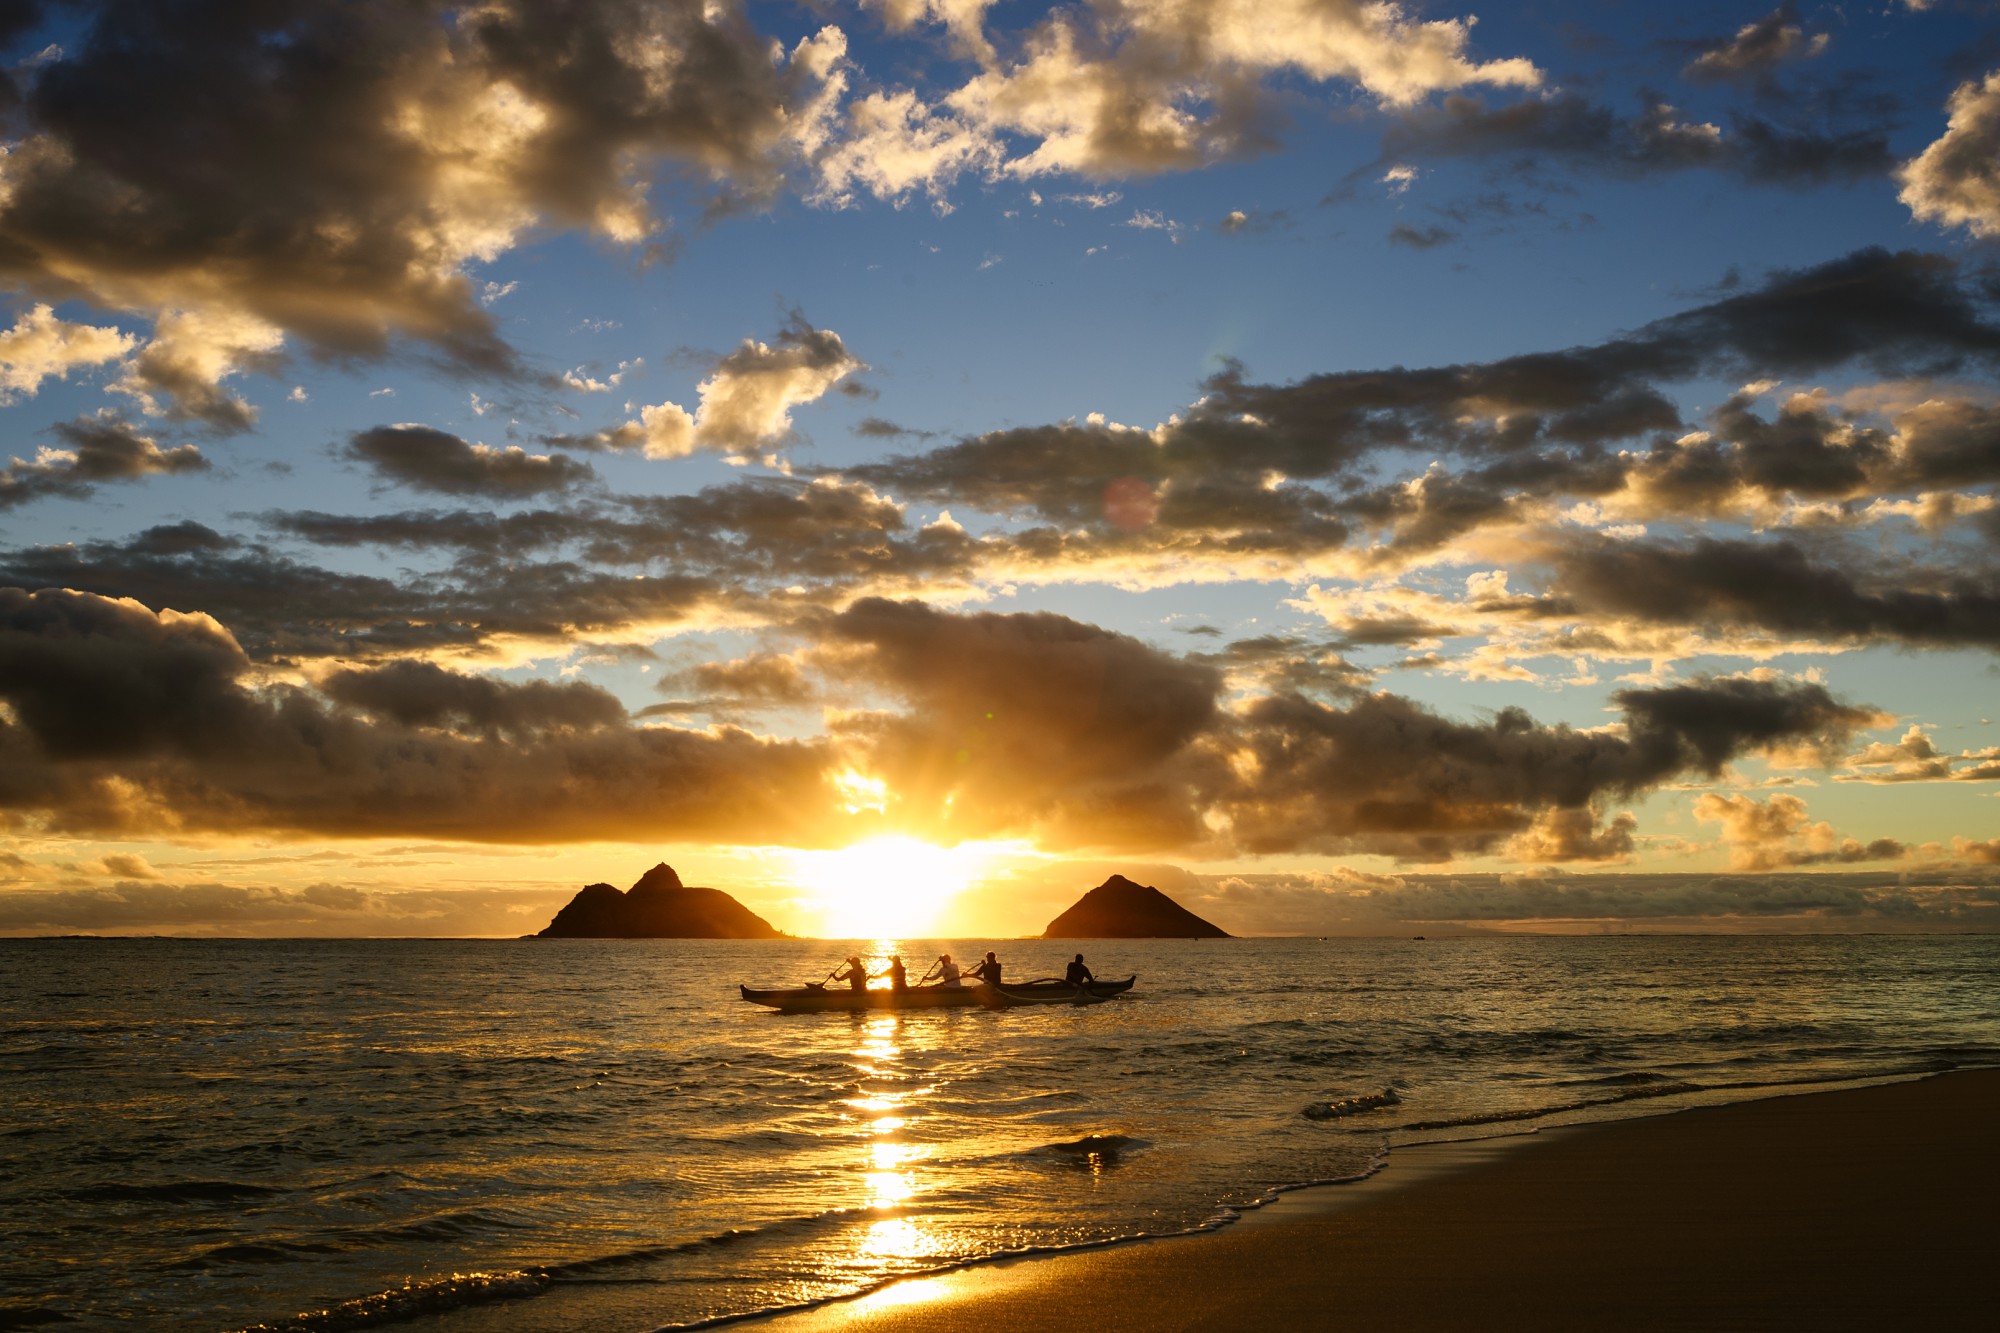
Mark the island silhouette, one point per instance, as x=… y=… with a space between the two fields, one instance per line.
x=658 y=907
x=1118 y=909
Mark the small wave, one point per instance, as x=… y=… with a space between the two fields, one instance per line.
x=40 y=1316
x=445 y=1226
x=1636 y=1079
x=414 y=1300
x=1347 y=1106
x=179 y=1191
x=781 y=1228
x=259 y=1252
x=1668 y=1089
x=1096 y=1150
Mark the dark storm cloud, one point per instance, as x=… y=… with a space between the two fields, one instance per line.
x=94 y=679
x=277 y=607
x=92 y=451
x=1777 y=585
x=422 y=694
x=180 y=538
x=436 y=460
x=764 y=678
x=123 y=720
x=1568 y=130
x=1025 y=725
x=1951 y=443
x=596 y=570
x=1013 y=724
x=1385 y=775
x=1893 y=313
x=331 y=167
x=284 y=609
x=1027 y=720
x=468 y=530
x=766 y=528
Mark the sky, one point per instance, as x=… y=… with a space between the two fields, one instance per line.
x=1354 y=466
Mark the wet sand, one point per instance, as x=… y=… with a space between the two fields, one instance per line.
x=1871 y=1207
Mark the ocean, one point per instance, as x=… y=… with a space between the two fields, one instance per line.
x=600 y=1135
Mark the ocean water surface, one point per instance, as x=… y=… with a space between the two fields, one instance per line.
x=599 y=1135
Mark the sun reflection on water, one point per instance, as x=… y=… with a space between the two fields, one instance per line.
x=894 y=1158
x=897 y=1238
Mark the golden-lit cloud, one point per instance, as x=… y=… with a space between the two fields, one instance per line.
x=41 y=346
x=92 y=451
x=1777 y=833
x=338 y=186
x=1956 y=180
x=747 y=402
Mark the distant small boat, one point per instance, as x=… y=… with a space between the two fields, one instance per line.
x=815 y=999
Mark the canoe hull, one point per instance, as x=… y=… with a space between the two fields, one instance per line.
x=818 y=1000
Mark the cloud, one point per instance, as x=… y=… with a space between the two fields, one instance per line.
x=1776 y=833
x=1955 y=182
x=1776 y=585
x=134 y=906
x=40 y=346
x=1420 y=238
x=1239 y=221
x=93 y=450
x=1137 y=88
x=424 y=695
x=1758 y=48
x=747 y=402
x=1567 y=129
x=178 y=374
x=618 y=570
x=896 y=144
x=1915 y=758
x=123 y=720
x=1018 y=722
x=333 y=172
x=1259 y=477
x=1386 y=776
x=763 y=678
x=1575 y=833
x=119 y=719
x=436 y=460
x=1346 y=902
x=880 y=428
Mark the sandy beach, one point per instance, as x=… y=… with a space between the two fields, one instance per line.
x=1869 y=1207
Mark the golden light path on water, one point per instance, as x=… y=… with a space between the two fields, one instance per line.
x=889 y=1174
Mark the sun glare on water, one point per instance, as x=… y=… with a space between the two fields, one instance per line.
x=886 y=888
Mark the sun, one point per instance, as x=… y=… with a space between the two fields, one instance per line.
x=886 y=888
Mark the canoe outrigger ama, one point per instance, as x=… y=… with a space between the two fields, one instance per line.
x=819 y=998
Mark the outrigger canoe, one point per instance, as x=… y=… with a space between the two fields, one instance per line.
x=816 y=999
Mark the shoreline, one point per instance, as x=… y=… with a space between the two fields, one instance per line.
x=1809 y=1210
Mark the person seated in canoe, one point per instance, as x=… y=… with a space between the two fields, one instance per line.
x=899 y=976
x=988 y=971
x=855 y=975
x=1077 y=974
x=948 y=973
